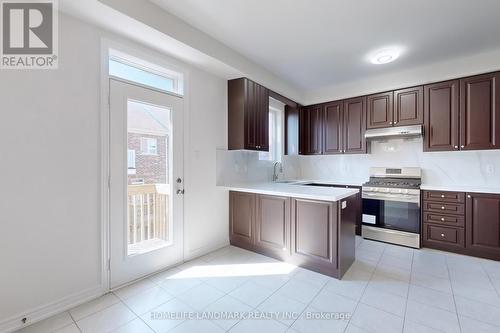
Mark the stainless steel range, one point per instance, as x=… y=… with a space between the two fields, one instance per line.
x=391 y=206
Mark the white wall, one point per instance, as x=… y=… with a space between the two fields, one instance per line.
x=50 y=243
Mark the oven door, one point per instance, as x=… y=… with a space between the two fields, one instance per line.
x=392 y=214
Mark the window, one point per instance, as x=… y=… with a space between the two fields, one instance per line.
x=276 y=118
x=136 y=70
x=131 y=158
x=149 y=146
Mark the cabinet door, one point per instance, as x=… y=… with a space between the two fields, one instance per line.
x=379 y=110
x=333 y=123
x=313 y=130
x=251 y=116
x=241 y=218
x=355 y=125
x=409 y=106
x=483 y=224
x=441 y=116
x=262 y=95
x=480 y=112
x=314 y=236
x=272 y=224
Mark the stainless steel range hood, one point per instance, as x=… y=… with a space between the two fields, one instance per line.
x=394 y=132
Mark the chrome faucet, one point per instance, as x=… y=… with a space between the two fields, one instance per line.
x=275 y=174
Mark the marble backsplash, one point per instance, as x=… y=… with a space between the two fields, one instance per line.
x=464 y=168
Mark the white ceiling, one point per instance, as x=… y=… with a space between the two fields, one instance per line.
x=318 y=43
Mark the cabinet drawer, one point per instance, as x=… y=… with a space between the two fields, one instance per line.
x=456 y=221
x=444 y=235
x=444 y=196
x=444 y=207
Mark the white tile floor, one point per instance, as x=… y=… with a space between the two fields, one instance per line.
x=388 y=289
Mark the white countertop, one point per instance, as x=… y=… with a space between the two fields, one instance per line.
x=295 y=191
x=459 y=188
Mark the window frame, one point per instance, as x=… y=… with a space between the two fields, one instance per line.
x=131 y=154
x=278 y=109
x=145 y=143
x=128 y=60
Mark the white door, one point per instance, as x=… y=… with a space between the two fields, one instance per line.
x=146 y=183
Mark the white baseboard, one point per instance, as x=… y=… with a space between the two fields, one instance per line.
x=45 y=311
x=198 y=252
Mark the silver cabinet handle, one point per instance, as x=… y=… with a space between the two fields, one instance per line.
x=442 y=195
x=390 y=123
x=442 y=207
x=442 y=235
x=462 y=146
x=442 y=219
x=456 y=147
x=468 y=196
x=395 y=122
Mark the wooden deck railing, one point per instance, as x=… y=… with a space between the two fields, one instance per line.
x=148 y=212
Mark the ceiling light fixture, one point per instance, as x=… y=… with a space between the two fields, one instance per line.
x=385 y=55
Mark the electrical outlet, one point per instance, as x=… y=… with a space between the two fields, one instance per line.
x=490 y=168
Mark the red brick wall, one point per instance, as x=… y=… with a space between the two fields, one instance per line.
x=152 y=168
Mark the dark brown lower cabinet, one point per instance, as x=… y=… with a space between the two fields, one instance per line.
x=272 y=225
x=483 y=225
x=359 y=206
x=443 y=237
x=314 y=234
x=472 y=228
x=318 y=235
x=241 y=219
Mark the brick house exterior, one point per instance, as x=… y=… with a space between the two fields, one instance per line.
x=147 y=163
x=152 y=168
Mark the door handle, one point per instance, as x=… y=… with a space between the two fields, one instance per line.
x=180 y=192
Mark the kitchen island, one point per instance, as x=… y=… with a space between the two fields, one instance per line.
x=309 y=226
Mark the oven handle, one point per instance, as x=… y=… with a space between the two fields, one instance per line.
x=392 y=197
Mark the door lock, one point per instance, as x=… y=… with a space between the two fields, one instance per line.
x=179 y=180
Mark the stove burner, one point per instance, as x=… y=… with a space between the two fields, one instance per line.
x=393 y=182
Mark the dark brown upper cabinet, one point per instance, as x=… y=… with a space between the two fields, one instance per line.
x=379 y=110
x=441 y=116
x=409 y=106
x=355 y=125
x=333 y=128
x=311 y=130
x=248 y=115
x=395 y=108
x=483 y=225
x=480 y=112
